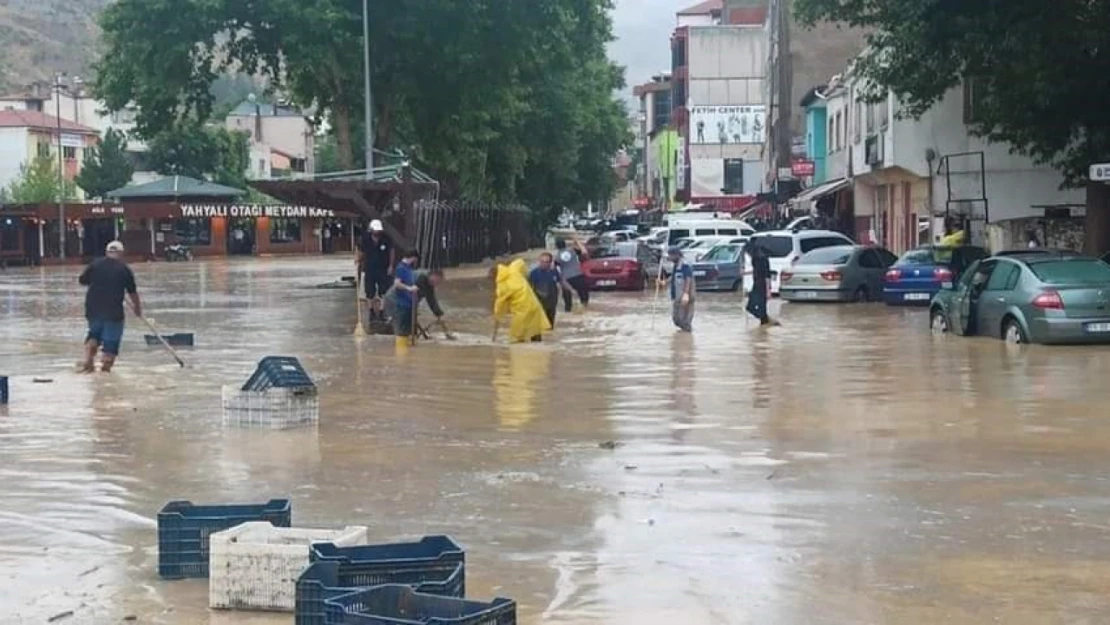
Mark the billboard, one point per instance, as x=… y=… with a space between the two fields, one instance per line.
x=721 y=125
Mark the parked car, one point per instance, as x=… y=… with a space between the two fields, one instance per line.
x=610 y=269
x=720 y=269
x=842 y=273
x=785 y=247
x=700 y=247
x=1028 y=298
x=1106 y=258
x=920 y=273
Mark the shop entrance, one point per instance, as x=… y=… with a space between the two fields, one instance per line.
x=98 y=233
x=240 y=236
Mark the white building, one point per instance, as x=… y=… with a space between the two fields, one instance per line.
x=656 y=175
x=281 y=136
x=910 y=174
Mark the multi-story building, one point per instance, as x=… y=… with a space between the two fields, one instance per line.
x=656 y=176
x=29 y=134
x=283 y=140
x=719 y=57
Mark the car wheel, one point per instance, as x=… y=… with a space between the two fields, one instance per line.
x=1013 y=333
x=862 y=296
x=938 y=321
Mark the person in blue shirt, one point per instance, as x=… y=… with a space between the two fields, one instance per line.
x=682 y=288
x=547 y=283
x=405 y=290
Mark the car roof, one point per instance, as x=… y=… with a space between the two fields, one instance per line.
x=805 y=234
x=1039 y=251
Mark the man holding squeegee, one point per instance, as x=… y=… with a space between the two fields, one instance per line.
x=108 y=279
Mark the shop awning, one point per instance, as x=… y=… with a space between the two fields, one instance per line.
x=815 y=193
x=176 y=187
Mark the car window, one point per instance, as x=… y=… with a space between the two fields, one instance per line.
x=981 y=276
x=810 y=244
x=728 y=232
x=704 y=232
x=965 y=279
x=926 y=256
x=1002 y=275
x=868 y=259
x=679 y=233
x=886 y=257
x=721 y=253
x=1077 y=271
x=776 y=246
x=838 y=255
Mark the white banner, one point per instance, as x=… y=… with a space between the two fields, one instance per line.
x=72 y=141
x=728 y=124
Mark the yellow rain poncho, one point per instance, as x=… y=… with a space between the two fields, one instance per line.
x=515 y=297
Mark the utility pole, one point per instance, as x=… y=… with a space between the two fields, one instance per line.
x=61 y=169
x=369 y=112
x=784 y=140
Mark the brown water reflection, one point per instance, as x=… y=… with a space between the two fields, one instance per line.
x=845 y=468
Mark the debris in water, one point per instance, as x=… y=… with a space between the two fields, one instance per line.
x=630 y=467
x=608 y=445
x=93 y=569
x=59 y=616
x=130 y=617
x=42 y=380
x=772 y=475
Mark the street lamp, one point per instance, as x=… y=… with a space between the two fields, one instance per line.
x=366 y=71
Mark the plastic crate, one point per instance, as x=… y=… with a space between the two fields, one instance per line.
x=184 y=528
x=181 y=339
x=3 y=389
x=278 y=372
x=400 y=605
x=254 y=566
x=327 y=580
x=432 y=559
x=274 y=408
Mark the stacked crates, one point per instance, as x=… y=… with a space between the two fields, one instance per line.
x=184 y=528
x=278 y=395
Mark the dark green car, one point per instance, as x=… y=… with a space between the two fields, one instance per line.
x=1028 y=298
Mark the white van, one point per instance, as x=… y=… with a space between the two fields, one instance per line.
x=684 y=227
x=785 y=247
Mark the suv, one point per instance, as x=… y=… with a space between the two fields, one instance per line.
x=785 y=247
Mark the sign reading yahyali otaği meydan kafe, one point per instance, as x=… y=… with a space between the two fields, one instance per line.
x=254 y=210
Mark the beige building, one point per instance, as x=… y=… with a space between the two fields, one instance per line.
x=282 y=137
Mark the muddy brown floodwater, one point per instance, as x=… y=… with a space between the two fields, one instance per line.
x=846 y=468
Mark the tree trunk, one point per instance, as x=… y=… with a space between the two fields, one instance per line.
x=341 y=116
x=1098 y=219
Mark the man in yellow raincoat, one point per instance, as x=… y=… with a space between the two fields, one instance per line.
x=514 y=296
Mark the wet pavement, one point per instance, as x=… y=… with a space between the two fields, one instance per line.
x=845 y=468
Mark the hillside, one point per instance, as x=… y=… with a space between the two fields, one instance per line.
x=41 y=37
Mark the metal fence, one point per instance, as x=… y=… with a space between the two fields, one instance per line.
x=450 y=233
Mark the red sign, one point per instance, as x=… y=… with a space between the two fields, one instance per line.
x=802 y=168
x=726 y=202
x=642 y=202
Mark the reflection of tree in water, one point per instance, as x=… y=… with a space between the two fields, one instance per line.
x=518 y=375
x=683 y=384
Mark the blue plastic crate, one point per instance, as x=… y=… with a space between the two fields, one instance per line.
x=400 y=605
x=432 y=559
x=183 y=530
x=3 y=389
x=181 y=339
x=326 y=580
x=278 y=372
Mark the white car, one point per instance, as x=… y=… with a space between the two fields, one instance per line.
x=785 y=247
x=700 y=247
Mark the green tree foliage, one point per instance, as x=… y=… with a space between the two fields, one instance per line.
x=500 y=99
x=201 y=151
x=1039 y=68
x=107 y=167
x=38 y=183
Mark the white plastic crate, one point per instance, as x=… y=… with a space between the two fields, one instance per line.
x=254 y=566
x=276 y=408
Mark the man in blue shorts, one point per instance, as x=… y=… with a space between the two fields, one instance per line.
x=108 y=279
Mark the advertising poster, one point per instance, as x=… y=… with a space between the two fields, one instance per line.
x=728 y=124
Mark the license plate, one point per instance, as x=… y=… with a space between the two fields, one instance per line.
x=806 y=294
x=607 y=283
x=699 y=274
x=915 y=297
x=1097 y=327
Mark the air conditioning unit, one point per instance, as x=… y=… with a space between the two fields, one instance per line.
x=873 y=150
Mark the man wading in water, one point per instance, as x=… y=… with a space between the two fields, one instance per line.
x=405 y=292
x=761 y=284
x=569 y=262
x=682 y=287
x=376 y=257
x=546 y=283
x=107 y=279
x=426 y=283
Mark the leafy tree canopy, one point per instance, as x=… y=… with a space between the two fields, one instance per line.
x=107 y=167
x=500 y=99
x=1039 y=68
x=204 y=152
x=38 y=183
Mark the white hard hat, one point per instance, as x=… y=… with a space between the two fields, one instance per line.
x=376 y=225
x=114 y=246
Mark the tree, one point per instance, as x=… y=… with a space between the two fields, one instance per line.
x=38 y=183
x=1038 y=70
x=107 y=167
x=199 y=151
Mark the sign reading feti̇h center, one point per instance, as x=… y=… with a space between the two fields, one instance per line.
x=1100 y=172
x=254 y=210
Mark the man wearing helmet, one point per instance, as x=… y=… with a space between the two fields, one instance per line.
x=376 y=259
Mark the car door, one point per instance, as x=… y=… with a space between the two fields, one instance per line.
x=871 y=271
x=996 y=297
x=969 y=299
x=729 y=270
x=959 y=304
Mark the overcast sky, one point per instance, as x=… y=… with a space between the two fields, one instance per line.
x=643 y=29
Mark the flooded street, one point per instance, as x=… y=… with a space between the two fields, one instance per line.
x=846 y=468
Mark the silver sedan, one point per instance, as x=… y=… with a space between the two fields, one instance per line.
x=844 y=273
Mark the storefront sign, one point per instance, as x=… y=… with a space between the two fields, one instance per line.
x=72 y=141
x=105 y=210
x=727 y=124
x=802 y=168
x=253 y=210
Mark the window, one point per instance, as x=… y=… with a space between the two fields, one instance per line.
x=69 y=153
x=830 y=137
x=776 y=246
x=704 y=232
x=886 y=257
x=86 y=153
x=285 y=230
x=839 y=123
x=883 y=113
x=734 y=176
x=828 y=256
x=43 y=149
x=972 y=98
x=870 y=260
x=814 y=243
x=728 y=232
x=661 y=115
x=9 y=235
x=679 y=233
x=1077 y=271
x=197 y=231
x=856 y=122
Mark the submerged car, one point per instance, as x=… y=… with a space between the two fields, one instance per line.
x=842 y=273
x=785 y=247
x=610 y=269
x=721 y=269
x=1028 y=298
x=920 y=273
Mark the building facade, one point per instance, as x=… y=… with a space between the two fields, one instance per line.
x=656 y=171
x=282 y=138
x=29 y=134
